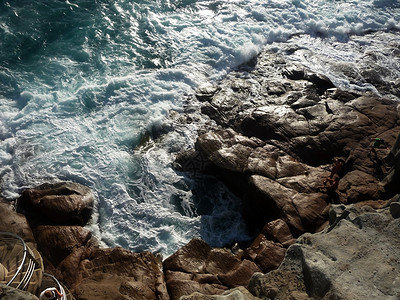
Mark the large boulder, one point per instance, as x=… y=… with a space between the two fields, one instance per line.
x=267 y=199
x=353 y=258
x=278 y=231
x=57 y=242
x=63 y=203
x=119 y=274
x=199 y=268
x=357 y=186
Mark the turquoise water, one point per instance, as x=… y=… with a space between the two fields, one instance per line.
x=83 y=82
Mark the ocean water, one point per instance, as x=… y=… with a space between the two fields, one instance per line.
x=84 y=83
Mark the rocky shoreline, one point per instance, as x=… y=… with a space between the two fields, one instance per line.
x=273 y=141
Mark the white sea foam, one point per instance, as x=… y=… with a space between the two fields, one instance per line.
x=79 y=97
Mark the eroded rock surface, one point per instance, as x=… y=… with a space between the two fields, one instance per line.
x=119 y=274
x=239 y=293
x=63 y=203
x=57 y=214
x=356 y=257
x=280 y=130
x=199 y=268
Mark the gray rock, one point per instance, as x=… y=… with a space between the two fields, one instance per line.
x=10 y=293
x=355 y=258
x=239 y=293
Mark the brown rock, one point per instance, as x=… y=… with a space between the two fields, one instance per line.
x=265 y=253
x=180 y=275
x=110 y=286
x=119 y=274
x=198 y=268
x=179 y=288
x=67 y=270
x=57 y=242
x=240 y=275
x=221 y=261
x=60 y=203
x=270 y=200
x=13 y=222
x=359 y=186
x=206 y=278
x=311 y=209
x=278 y=231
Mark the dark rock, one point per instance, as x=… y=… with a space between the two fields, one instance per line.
x=67 y=270
x=57 y=242
x=312 y=209
x=119 y=274
x=269 y=200
x=392 y=181
x=64 y=203
x=278 y=231
x=13 y=222
x=240 y=275
x=198 y=267
x=190 y=258
x=10 y=293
